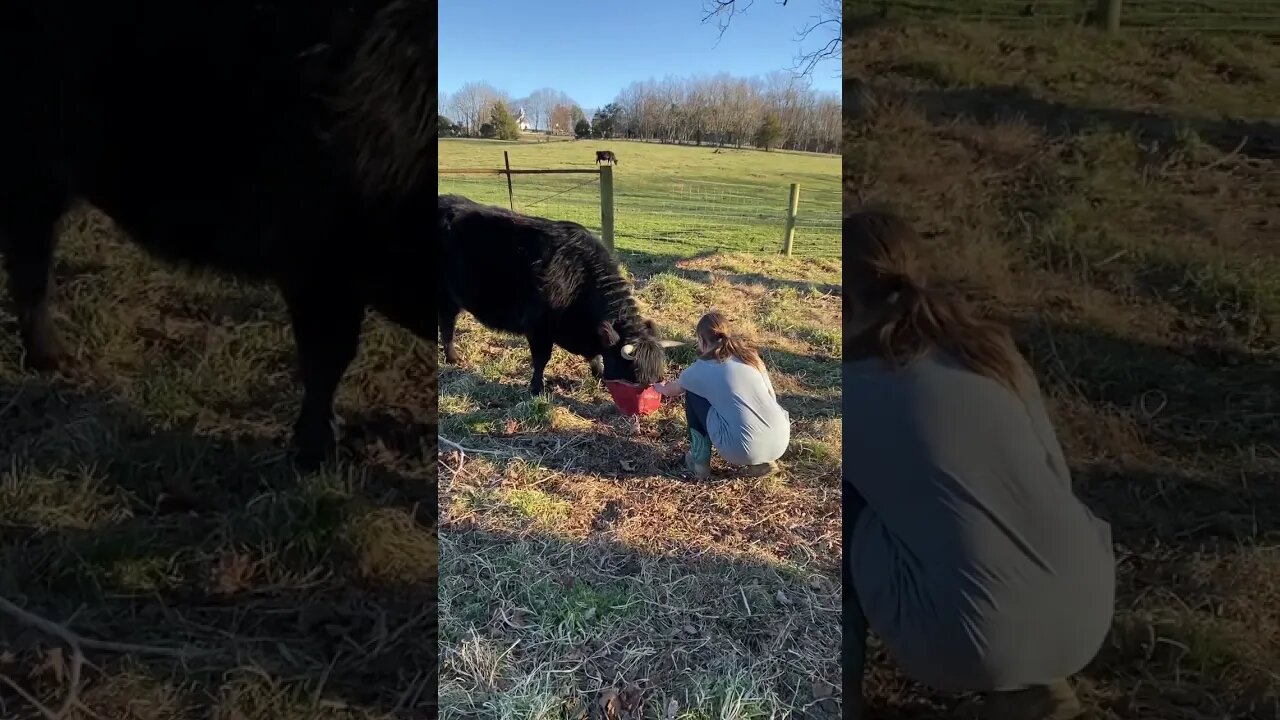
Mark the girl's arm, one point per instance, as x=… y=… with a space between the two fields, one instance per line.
x=669 y=389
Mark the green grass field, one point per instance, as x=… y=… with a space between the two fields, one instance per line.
x=582 y=575
x=670 y=199
x=1117 y=199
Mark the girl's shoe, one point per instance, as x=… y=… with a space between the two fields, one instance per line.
x=1055 y=701
x=698 y=459
x=700 y=470
x=760 y=470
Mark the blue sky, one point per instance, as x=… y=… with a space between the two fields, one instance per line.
x=592 y=49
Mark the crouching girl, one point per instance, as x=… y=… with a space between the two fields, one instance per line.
x=730 y=403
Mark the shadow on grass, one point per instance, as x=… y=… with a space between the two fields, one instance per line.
x=817 y=373
x=1198 y=399
x=319 y=590
x=644 y=264
x=993 y=104
x=598 y=440
x=712 y=636
x=1195 y=525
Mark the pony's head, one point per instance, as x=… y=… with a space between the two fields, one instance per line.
x=640 y=358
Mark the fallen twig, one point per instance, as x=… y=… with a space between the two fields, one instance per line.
x=77 y=643
x=1243 y=141
x=446 y=441
x=77 y=658
x=12 y=401
x=29 y=697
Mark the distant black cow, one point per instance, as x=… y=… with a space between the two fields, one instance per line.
x=551 y=281
x=603 y=155
x=282 y=141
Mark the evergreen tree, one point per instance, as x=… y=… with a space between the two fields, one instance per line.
x=769 y=132
x=503 y=122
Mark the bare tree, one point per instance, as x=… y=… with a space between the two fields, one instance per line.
x=821 y=35
x=472 y=103
x=563 y=117
x=540 y=104
x=719 y=109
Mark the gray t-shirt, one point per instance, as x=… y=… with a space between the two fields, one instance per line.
x=745 y=424
x=973 y=560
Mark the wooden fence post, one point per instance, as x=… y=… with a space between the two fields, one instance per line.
x=606 y=205
x=793 y=207
x=511 y=193
x=1108 y=15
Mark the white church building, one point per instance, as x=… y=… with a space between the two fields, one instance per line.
x=522 y=120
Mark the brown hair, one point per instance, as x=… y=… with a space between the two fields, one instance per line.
x=882 y=275
x=716 y=334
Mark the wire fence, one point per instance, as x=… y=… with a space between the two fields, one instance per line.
x=668 y=215
x=1258 y=17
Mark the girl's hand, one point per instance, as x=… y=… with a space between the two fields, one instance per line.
x=668 y=389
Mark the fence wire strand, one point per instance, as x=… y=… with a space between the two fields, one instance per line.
x=673 y=215
x=562 y=192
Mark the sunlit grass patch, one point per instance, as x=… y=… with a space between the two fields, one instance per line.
x=549 y=479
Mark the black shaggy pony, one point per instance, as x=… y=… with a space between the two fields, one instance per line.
x=281 y=140
x=551 y=281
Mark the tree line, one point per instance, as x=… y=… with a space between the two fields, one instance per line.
x=778 y=110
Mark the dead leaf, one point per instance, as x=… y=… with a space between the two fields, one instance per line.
x=673 y=707
x=627 y=465
x=512 y=426
x=690 y=630
x=55 y=662
x=631 y=698
x=610 y=705
x=782 y=598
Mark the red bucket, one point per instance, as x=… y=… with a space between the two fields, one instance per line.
x=633 y=399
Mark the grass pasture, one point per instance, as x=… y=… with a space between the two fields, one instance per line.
x=1118 y=199
x=1218 y=16
x=145 y=500
x=669 y=199
x=582 y=575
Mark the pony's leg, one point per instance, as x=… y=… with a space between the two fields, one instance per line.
x=448 y=315
x=326 y=328
x=540 y=347
x=28 y=217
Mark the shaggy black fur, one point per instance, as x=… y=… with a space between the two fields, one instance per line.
x=551 y=281
x=606 y=155
x=285 y=141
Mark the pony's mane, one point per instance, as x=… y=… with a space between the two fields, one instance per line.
x=386 y=101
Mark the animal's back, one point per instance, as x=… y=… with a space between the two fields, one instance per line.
x=510 y=270
x=195 y=124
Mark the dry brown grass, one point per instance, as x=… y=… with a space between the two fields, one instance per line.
x=145 y=499
x=1103 y=195
x=582 y=574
